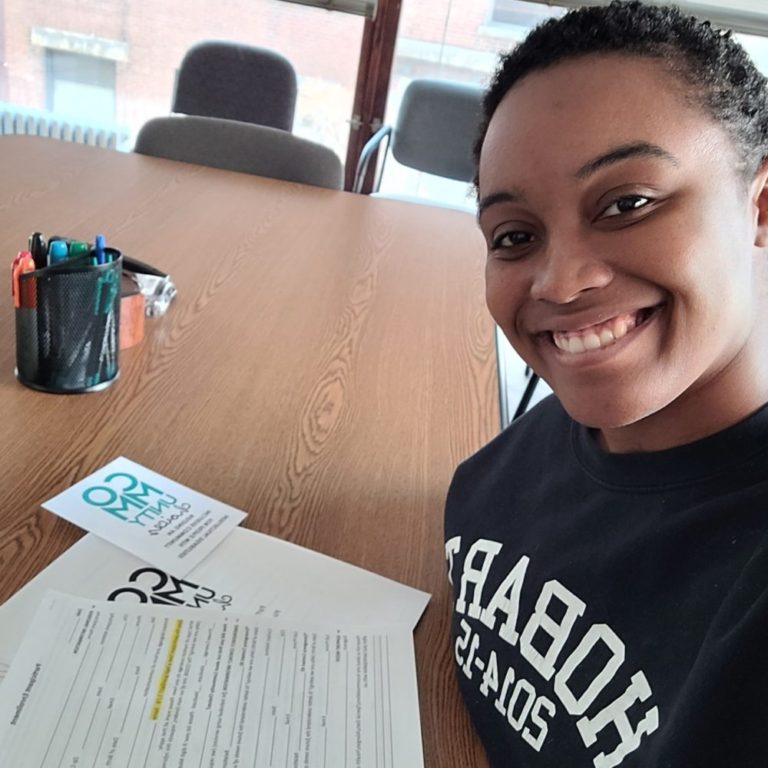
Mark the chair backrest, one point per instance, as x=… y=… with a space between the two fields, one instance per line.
x=436 y=128
x=236 y=82
x=244 y=147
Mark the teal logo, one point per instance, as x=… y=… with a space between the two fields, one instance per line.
x=132 y=500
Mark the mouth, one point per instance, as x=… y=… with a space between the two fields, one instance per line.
x=601 y=335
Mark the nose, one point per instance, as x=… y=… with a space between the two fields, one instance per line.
x=568 y=269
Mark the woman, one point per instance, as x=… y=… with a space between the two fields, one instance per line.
x=608 y=552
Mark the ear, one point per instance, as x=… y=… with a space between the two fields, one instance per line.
x=760 y=200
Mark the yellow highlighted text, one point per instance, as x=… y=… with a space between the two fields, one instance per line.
x=166 y=670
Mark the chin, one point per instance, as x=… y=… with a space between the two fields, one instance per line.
x=602 y=414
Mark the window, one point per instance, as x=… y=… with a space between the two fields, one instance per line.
x=519 y=13
x=115 y=61
x=459 y=41
x=80 y=86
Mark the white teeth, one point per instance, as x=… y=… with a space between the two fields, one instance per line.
x=611 y=332
x=620 y=328
x=606 y=337
x=592 y=341
x=575 y=345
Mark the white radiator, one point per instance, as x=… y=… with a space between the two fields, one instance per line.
x=16 y=120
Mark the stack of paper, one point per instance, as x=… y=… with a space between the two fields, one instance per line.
x=295 y=659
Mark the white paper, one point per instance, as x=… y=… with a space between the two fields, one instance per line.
x=160 y=521
x=247 y=573
x=123 y=686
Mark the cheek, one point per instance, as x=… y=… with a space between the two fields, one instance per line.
x=504 y=293
x=716 y=277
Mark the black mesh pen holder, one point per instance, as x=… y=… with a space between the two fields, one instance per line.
x=67 y=327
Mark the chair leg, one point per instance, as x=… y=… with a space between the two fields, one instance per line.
x=527 y=395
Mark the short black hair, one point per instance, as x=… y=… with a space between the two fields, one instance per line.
x=720 y=76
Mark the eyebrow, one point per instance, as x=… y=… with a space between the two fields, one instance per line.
x=616 y=155
x=624 y=152
x=513 y=196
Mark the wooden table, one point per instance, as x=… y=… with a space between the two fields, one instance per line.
x=327 y=363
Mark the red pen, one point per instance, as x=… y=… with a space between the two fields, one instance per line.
x=24 y=294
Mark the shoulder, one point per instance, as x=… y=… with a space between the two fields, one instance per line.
x=540 y=438
x=543 y=428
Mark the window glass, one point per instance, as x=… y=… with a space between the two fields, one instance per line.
x=518 y=13
x=80 y=87
x=459 y=40
x=757 y=47
x=115 y=61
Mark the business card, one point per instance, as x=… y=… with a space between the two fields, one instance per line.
x=162 y=522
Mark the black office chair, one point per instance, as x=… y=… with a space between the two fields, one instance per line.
x=235 y=146
x=436 y=128
x=237 y=82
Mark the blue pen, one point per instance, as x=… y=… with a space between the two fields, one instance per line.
x=57 y=252
x=101 y=244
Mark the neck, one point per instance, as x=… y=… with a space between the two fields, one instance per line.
x=726 y=398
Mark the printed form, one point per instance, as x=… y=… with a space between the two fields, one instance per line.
x=112 y=684
x=247 y=573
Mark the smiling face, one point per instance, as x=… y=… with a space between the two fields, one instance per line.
x=625 y=251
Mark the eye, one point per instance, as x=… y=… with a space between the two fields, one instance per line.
x=511 y=240
x=625 y=204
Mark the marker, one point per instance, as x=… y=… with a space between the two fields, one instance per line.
x=78 y=248
x=22 y=264
x=101 y=243
x=38 y=249
x=57 y=252
x=15 y=270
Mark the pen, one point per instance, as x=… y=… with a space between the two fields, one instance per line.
x=99 y=249
x=23 y=295
x=57 y=252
